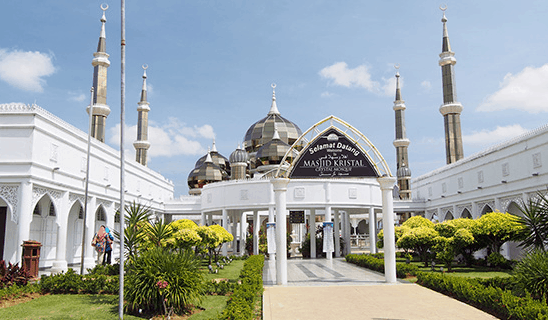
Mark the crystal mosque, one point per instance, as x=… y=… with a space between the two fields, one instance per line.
x=280 y=177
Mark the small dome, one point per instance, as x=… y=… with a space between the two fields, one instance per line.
x=238 y=156
x=403 y=172
x=273 y=151
x=216 y=158
x=207 y=172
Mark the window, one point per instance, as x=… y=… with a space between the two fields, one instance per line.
x=37 y=210
x=480 y=176
x=51 y=210
x=81 y=213
x=505 y=169
x=101 y=214
x=537 y=161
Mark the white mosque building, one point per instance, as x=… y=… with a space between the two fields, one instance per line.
x=330 y=174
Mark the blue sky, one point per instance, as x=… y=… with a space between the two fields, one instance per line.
x=211 y=64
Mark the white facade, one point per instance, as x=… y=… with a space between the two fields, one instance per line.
x=42 y=180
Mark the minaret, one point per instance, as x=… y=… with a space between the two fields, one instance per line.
x=401 y=143
x=100 y=64
x=141 y=144
x=450 y=109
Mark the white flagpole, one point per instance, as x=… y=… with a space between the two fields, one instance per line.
x=87 y=184
x=122 y=162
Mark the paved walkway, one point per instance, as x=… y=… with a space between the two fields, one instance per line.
x=322 y=289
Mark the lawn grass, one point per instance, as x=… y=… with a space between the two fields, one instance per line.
x=463 y=271
x=213 y=306
x=66 y=306
x=231 y=271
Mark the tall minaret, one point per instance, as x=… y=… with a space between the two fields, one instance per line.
x=450 y=109
x=141 y=144
x=401 y=143
x=100 y=64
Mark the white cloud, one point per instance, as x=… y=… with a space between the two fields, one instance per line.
x=486 y=137
x=75 y=96
x=168 y=140
x=150 y=89
x=25 y=70
x=341 y=75
x=326 y=94
x=426 y=85
x=524 y=91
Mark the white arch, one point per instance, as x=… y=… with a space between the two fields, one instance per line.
x=377 y=160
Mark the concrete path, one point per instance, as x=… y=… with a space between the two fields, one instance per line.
x=321 y=289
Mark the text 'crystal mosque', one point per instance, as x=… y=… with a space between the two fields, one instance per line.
x=330 y=175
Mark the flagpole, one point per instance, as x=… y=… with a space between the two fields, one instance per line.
x=87 y=184
x=122 y=162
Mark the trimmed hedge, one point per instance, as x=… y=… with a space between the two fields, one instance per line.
x=72 y=282
x=241 y=304
x=377 y=264
x=492 y=299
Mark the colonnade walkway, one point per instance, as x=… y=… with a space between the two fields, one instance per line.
x=335 y=289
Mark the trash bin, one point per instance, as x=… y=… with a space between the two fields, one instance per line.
x=31 y=256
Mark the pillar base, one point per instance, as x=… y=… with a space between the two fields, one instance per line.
x=59 y=266
x=89 y=263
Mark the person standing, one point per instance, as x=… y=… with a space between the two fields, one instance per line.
x=108 y=246
x=99 y=242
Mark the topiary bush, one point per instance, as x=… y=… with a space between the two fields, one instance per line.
x=159 y=275
x=371 y=262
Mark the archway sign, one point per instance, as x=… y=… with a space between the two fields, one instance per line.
x=333 y=149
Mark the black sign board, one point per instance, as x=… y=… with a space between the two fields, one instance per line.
x=332 y=154
x=296 y=216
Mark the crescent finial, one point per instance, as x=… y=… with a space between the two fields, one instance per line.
x=145 y=66
x=443 y=7
x=273 y=86
x=104 y=6
x=397 y=66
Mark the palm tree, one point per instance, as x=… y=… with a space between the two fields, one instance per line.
x=136 y=219
x=534 y=234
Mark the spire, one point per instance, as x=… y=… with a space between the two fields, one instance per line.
x=208 y=158
x=446 y=46
x=398 y=90
x=213 y=147
x=450 y=109
x=141 y=144
x=401 y=143
x=100 y=64
x=276 y=135
x=273 y=107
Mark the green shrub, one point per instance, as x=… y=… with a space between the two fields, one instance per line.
x=109 y=270
x=240 y=305
x=532 y=274
x=69 y=282
x=16 y=291
x=371 y=262
x=222 y=287
x=492 y=299
x=497 y=260
x=147 y=274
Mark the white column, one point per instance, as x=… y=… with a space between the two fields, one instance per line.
x=89 y=260
x=234 y=232
x=336 y=231
x=203 y=219
x=328 y=255
x=372 y=230
x=387 y=185
x=24 y=217
x=243 y=233
x=497 y=205
x=312 y=231
x=256 y=228
x=271 y=219
x=224 y=250
x=60 y=263
x=347 y=247
x=280 y=189
x=210 y=218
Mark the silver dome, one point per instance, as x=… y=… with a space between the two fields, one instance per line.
x=238 y=156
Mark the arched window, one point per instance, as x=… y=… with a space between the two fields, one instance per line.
x=37 y=210
x=51 y=210
x=117 y=217
x=486 y=209
x=448 y=216
x=101 y=216
x=466 y=214
x=81 y=213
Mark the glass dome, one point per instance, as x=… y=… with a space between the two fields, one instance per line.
x=206 y=173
